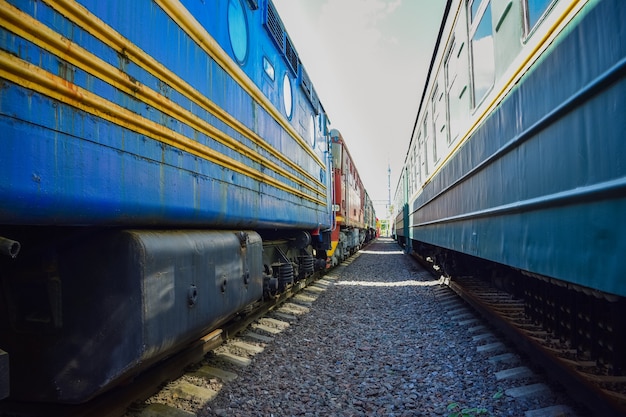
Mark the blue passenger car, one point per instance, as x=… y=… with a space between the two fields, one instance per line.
x=164 y=164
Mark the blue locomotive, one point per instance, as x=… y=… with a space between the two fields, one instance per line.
x=165 y=164
x=515 y=169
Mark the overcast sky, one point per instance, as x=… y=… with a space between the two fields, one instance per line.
x=368 y=61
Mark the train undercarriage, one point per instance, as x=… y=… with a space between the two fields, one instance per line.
x=83 y=310
x=349 y=241
x=588 y=321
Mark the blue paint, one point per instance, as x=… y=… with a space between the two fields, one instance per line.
x=91 y=171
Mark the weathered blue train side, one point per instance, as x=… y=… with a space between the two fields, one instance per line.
x=165 y=163
x=140 y=125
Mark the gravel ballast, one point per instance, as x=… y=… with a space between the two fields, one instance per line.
x=382 y=340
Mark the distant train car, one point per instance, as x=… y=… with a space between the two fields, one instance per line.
x=515 y=166
x=355 y=219
x=165 y=163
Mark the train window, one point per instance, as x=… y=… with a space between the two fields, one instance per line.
x=430 y=153
x=238 y=30
x=439 y=109
x=415 y=166
x=421 y=157
x=534 y=10
x=458 y=54
x=474 y=9
x=483 y=63
x=287 y=96
x=453 y=102
x=427 y=144
x=268 y=68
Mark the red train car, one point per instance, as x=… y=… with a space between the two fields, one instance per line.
x=354 y=217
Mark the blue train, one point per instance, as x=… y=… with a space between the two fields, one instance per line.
x=515 y=169
x=165 y=164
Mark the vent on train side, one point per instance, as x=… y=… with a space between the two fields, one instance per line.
x=309 y=91
x=274 y=26
x=291 y=55
x=315 y=101
x=276 y=29
x=306 y=83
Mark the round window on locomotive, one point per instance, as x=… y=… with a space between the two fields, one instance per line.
x=287 y=98
x=312 y=130
x=238 y=30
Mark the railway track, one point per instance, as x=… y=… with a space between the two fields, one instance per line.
x=380 y=343
x=187 y=382
x=201 y=382
x=517 y=379
x=584 y=380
